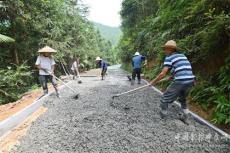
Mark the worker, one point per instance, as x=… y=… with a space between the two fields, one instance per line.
x=103 y=65
x=75 y=68
x=183 y=79
x=46 y=65
x=136 y=63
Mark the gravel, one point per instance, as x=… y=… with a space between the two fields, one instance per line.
x=95 y=123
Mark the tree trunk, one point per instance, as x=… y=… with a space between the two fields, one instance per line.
x=16 y=55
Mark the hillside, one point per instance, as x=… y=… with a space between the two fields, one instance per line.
x=200 y=28
x=111 y=33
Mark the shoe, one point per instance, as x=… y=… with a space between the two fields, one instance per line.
x=139 y=81
x=45 y=92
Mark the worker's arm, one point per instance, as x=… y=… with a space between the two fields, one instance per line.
x=145 y=62
x=38 y=62
x=160 y=76
x=52 y=65
x=38 y=66
x=143 y=58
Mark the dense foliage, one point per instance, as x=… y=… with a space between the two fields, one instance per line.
x=60 y=24
x=200 y=27
x=14 y=81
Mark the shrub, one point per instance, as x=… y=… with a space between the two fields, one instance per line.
x=15 y=80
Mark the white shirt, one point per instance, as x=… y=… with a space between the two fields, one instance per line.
x=74 y=65
x=45 y=63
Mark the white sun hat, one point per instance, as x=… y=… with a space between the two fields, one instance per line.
x=47 y=49
x=137 y=54
x=98 y=58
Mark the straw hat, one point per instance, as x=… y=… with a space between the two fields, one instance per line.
x=171 y=44
x=137 y=54
x=98 y=59
x=47 y=49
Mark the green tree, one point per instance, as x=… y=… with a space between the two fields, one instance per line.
x=200 y=27
x=60 y=24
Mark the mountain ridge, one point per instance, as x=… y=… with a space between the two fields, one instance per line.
x=110 y=33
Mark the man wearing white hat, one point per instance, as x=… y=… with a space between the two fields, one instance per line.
x=75 y=68
x=103 y=65
x=136 y=63
x=183 y=79
x=45 y=63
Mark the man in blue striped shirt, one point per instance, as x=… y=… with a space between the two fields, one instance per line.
x=183 y=79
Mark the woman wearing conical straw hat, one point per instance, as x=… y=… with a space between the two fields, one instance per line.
x=45 y=63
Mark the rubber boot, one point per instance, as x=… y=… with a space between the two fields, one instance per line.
x=57 y=92
x=45 y=91
x=139 y=81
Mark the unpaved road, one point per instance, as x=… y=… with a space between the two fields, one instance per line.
x=129 y=124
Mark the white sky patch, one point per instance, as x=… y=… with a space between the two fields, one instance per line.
x=104 y=11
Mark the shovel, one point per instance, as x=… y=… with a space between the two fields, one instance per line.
x=74 y=91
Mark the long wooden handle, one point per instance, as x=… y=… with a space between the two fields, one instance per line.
x=132 y=90
x=163 y=80
x=60 y=80
x=166 y=79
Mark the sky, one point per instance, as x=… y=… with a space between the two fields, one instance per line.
x=104 y=11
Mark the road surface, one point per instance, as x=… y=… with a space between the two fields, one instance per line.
x=128 y=124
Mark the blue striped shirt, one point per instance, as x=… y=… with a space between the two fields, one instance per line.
x=180 y=67
x=136 y=61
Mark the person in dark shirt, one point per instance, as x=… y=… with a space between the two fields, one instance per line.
x=103 y=65
x=136 y=63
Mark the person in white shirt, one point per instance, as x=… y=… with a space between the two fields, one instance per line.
x=75 y=67
x=46 y=65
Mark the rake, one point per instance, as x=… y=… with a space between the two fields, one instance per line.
x=74 y=91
